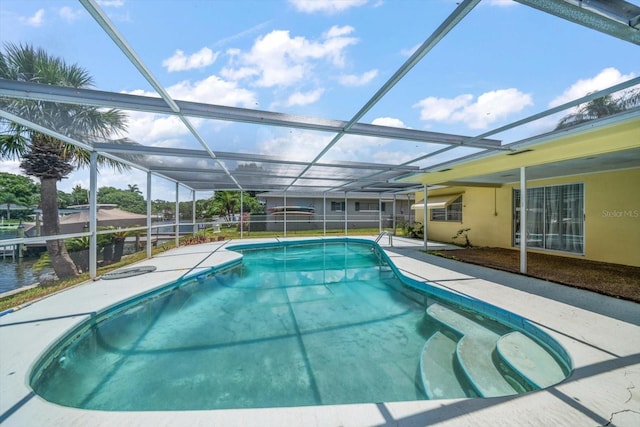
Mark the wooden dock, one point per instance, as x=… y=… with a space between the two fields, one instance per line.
x=8 y=251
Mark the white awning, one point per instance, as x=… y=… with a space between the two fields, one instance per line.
x=437 y=202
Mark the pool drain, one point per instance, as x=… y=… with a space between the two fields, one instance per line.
x=128 y=272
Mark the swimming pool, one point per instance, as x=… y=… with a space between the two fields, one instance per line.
x=295 y=324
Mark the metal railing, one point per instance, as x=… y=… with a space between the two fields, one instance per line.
x=385 y=233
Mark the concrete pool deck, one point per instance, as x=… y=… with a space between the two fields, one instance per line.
x=601 y=334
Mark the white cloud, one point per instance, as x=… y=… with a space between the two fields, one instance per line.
x=12 y=166
x=336 y=43
x=305 y=145
x=142 y=92
x=441 y=109
x=36 y=20
x=181 y=62
x=408 y=52
x=358 y=148
x=277 y=59
x=213 y=90
x=111 y=3
x=358 y=80
x=292 y=144
x=147 y=128
x=606 y=78
x=160 y=130
x=336 y=31
x=239 y=73
x=396 y=157
x=487 y=108
x=501 y=3
x=304 y=98
x=69 y=14
x=389 y=121
x=326 y=6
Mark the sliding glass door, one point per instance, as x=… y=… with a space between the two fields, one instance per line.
x=555 y=217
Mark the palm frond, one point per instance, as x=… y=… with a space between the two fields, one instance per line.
x=83 y=123
x=601 y=107
x=13 y=143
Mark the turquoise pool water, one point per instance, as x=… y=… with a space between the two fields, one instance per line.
x=306 y=324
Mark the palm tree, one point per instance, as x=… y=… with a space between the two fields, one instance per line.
x=225 y=203
x=43 y=156
x=134 y=188
x=601 y=107
x=8 y=199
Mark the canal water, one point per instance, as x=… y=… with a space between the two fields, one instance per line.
x=15 y=273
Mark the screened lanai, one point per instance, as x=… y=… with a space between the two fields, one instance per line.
x=302 y=112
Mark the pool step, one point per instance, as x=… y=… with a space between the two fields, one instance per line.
x=437 y=367
x=530 y=360
x=386 y=270
x=474 y=352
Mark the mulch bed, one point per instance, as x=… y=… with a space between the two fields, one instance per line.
x=620 y=281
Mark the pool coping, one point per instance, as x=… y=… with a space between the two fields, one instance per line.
x=604 y=350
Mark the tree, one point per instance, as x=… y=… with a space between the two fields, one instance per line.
x=252 y=204
x=224 y=203
x=8 y=199
x=20 y=186
x=42 y=155
x=64 y=200
x=80 y=195
x=163 y=209
x=203 y=206
x=227 y=203
x=134 y=188
x=126 y=200
x=17 y=190
x=601 y=107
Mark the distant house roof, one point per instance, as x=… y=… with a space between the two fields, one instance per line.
x=13 y=207
x=98 y=205
x=332 y=195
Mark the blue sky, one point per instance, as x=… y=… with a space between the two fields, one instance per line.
x=326 y=58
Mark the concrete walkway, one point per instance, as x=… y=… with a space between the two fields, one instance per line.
x=601 y=334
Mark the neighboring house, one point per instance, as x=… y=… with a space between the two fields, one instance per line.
x=583 y=194
x=318 y=211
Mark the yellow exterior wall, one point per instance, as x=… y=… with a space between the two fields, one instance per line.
x=612 y=215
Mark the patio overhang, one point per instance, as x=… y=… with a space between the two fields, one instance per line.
x=602 y=145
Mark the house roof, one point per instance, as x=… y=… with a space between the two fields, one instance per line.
x=603 y=145
x=332 y=195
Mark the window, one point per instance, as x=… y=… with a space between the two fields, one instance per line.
x=453 y=212
x=369 y=207
x=337 y=206
x=555 y=217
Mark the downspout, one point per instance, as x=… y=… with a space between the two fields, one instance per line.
x=424 y=218
x=523 y=220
